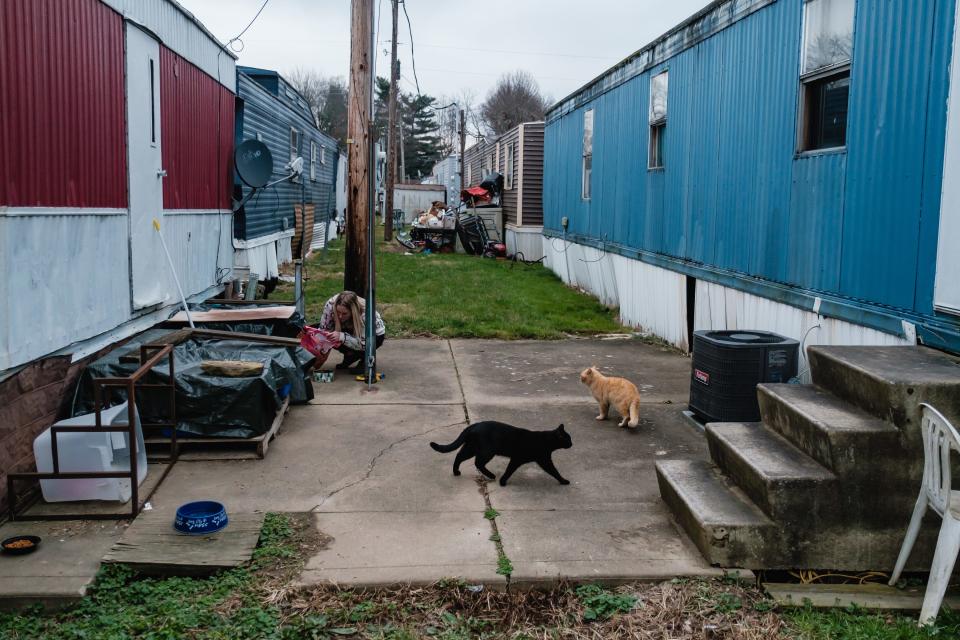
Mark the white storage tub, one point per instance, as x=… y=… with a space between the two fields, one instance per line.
x=96 y=451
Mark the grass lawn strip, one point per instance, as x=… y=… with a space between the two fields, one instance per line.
x=258 y=602
x=460 y=296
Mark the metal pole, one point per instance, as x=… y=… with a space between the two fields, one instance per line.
x=370 y=329
x=463 y=143
x=390 y=170
x=183 y=299
x=298 y=288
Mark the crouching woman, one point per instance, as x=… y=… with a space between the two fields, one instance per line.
x=343 y=316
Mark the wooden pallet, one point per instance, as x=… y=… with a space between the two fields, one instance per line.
x=153 y=546
x=199 y=448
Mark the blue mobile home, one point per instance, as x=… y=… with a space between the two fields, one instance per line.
x=269 y=109
x=770 y=164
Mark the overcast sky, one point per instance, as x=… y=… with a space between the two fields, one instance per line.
x=457 y=44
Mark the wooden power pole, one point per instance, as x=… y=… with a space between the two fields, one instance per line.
x=391 y=169
x=359 y=168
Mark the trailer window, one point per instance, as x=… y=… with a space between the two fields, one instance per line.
x=313 y=161
x=826 y=53
x=508 y=167
x=658 y=119
x=587 y=153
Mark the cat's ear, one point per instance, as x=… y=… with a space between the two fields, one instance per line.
x=560 y=428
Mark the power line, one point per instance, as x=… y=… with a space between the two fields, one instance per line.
x=250 y=24
x=413 y=60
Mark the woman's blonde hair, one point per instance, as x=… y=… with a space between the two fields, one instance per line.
x=355 y=305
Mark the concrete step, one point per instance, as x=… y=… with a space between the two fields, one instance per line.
x=840 y=436
x=890 y=382
x=728 y=529
x=792 y=488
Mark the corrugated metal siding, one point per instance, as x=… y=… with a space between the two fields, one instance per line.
x=735 y=196
x=196 y=116
x=66 y=278
x=181 y=32
x=509 y=200
x=532 y=174
x=472 y=162
x=892 y=145
x=265 y=114
x=62 y=130
x=192 y=241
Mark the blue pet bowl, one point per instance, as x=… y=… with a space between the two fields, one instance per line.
x=200 y=518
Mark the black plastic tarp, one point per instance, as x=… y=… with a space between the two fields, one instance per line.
x=208 y=405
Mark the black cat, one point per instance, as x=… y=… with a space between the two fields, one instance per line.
x=483 y=440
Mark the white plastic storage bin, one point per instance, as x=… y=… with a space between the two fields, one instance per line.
x=99 y=451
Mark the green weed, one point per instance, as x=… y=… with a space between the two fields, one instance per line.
x=600 y=604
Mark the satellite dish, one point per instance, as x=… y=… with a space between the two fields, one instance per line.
x=254 y=163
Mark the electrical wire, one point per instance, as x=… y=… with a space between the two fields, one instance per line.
x=249 y=24
x=221 y=272
x=413 y=59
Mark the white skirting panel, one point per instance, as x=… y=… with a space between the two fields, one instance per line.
x=265 y=259
x=651 y=299
x=319 y=234
x=525 y=240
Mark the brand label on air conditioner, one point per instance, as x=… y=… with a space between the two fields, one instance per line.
x=701 y=376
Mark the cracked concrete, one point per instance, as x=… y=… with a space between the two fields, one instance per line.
x=361 y=463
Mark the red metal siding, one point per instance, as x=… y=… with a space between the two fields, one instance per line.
x=197 y=145
x=62 y=130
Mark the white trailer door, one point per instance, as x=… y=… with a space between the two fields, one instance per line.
x=149 y=275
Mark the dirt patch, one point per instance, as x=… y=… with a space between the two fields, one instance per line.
x=677 y=609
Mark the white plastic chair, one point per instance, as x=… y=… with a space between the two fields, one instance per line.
x=939 y=438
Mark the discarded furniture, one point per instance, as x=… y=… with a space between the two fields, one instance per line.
x=940 y=439
x=150 y=356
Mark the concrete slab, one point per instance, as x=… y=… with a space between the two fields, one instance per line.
x=376 y=549
x=418 y=371
x=321 y=450
x=608 y=467
x=63 y=566
x=549 y=372
x=598 y=546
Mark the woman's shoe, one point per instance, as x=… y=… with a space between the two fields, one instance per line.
x=348 y=365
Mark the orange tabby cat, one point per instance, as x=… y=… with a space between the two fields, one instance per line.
x=619 y=392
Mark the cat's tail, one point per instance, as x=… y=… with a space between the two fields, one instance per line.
x=447 y=448
x=635 y=413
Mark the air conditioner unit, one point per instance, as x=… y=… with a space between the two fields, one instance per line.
x=728 y=365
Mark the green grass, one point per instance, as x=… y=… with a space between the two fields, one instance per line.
x=459 y=296
x=122 y=604
x=856 y=624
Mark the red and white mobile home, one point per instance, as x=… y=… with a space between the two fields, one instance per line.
x=112 y=113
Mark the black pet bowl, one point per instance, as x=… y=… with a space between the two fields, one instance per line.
x=20 y=550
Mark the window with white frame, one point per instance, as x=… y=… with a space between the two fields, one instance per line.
x=508 y=166
x=323 y=154
x=294 y=144
x=587 y=153
x=313 y=161
x=826 y=54
x=659 y=88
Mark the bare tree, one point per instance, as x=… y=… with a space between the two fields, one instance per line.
x=327 y=98
x=516 y=98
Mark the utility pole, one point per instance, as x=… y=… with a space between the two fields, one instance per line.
x=403 y=159
x=359 y=143
x=463 y=143
x=391 y=169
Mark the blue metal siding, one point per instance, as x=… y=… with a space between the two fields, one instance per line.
x=272 y=118
x=735 y=196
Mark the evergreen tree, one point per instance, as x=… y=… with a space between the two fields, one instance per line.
x=421 y=135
